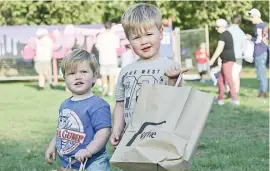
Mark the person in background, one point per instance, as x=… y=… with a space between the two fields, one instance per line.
x=202 y=61
x=239 y=42
x=128 y=56
x=260 y=49
x=43 y=58
x=107 y=44
x=226 y=52
x=167 y=44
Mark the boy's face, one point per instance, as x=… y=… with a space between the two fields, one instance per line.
x=147 y=44
x=80 y=79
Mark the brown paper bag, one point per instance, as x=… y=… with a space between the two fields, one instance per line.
x=165 y=129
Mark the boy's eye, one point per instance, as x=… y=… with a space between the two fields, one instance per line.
x=84 y=71
x=134 y=38
x=71 y=73
x=149 y=34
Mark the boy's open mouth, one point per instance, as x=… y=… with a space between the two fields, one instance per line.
x=146 y=49
x=78 y=83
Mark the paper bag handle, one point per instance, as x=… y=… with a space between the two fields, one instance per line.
x=82 y=166
x=178 y=81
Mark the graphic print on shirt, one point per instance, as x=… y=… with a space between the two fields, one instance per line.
x=70 y=133
x=259 y=36
x=133 y=81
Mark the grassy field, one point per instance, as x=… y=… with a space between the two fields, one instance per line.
x=234 y=139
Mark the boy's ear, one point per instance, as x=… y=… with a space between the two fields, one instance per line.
x=161 y=32
x=95 y=77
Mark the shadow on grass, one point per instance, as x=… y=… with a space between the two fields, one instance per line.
x=35 y=86
x=249 y=83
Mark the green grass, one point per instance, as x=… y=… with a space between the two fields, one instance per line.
x=234 y=139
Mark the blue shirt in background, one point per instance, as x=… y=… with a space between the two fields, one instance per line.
x=166 y=47
x=259 y=46
x=78 y=122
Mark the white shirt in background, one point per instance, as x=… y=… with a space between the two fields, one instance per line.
x=44 y=49
x=107 y=44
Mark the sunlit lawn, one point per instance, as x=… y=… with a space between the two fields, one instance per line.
x=234 y=139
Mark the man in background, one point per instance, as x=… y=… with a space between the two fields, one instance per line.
x=43 y=58
x=107 y=44
x=260 y=49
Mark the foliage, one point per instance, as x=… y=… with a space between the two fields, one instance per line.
x=185 y=14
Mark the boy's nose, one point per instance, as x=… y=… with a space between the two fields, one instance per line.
x=78 y=76
x=143 y=40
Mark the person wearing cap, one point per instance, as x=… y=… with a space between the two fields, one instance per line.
x=225 y=50
x=260 y=50
x=43 y=58
x=239 y=42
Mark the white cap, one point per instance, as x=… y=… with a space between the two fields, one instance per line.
x=254 y=12
x=221 y=22
x=42 y=32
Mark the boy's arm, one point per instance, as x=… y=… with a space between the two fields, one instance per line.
x=53 y=142
x=118 y=118
x=100 y=139
x=51 y=150
x=197 y=54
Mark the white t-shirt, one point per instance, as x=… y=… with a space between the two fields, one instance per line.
x=107 y=43
x=128 y=58
x=134 y=75
x=44 y=49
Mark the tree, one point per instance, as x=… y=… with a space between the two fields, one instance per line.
x=185 y=14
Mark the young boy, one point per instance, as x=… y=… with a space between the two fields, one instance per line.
x=84 y=123
x=202 y=59
x=143 y=28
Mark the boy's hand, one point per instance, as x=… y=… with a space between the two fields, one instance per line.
x=50 y=152
x=115 y=139
x=174 y=72
x=82 y=154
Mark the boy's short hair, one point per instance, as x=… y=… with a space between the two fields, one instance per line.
x=141 y=17
x=203 y=44
x=236 y=19
x=76 y=56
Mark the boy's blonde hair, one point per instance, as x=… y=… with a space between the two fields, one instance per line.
x=141 y=17
x=76 y=56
